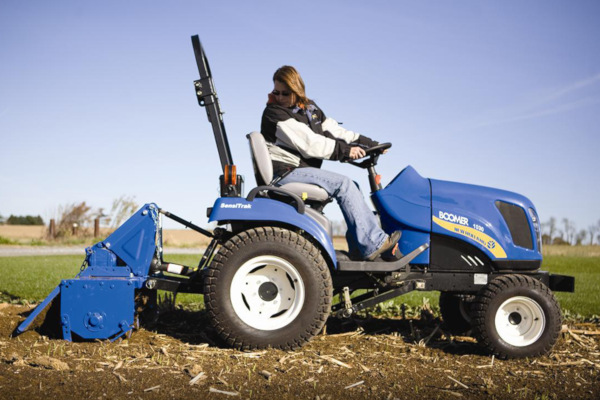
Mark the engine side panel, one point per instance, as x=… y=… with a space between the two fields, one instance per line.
x=470 y=213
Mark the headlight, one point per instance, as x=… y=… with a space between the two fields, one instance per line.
x=537 y=228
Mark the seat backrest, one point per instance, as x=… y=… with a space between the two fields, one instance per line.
x=261 y=159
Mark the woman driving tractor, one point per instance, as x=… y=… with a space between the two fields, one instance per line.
x=301 y=137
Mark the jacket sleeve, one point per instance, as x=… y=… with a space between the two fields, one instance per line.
x=331 y=125
x=297 y=136
x=366 y=142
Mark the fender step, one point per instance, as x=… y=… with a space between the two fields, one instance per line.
x=381 y=266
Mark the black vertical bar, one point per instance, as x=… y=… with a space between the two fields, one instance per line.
x=207 y=97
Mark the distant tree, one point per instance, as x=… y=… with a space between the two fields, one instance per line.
x=122 y=208
x=592 y=230
x=25 y=220
x=569 y=231
x=560 y=241
x=1 y=220
x=73 y=215
x=549 y=229
x=546 y=239
x=580 y=237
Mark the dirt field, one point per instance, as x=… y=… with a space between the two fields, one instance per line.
x=370 y=358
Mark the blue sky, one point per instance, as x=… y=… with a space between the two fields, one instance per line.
x=96 y=98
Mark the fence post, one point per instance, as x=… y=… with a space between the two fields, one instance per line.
x=52 y=229
x=97 y=227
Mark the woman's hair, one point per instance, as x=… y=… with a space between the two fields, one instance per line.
x=292 y=79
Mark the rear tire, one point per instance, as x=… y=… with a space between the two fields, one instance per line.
x=516 y=316
x=268 y=287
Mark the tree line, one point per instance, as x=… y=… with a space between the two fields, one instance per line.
x=77 y=219
x=565 y=232
x=22 y=220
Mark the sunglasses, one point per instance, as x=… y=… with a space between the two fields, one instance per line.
x=284 y=94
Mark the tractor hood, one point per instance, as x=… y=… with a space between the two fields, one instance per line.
x=501 y=223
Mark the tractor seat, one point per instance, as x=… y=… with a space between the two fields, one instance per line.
x=263 y=171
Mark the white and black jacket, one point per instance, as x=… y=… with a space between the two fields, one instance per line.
x=298 y=137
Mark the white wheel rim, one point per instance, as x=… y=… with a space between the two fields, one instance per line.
x=520 y=321
x=267 y=293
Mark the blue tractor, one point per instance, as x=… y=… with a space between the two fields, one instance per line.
x=271 y=270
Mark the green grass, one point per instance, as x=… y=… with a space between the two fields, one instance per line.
x=32 y=278
x=5 y=240
x=586 y=270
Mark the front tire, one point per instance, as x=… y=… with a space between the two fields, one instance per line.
x=268 y=287
x=516 y=316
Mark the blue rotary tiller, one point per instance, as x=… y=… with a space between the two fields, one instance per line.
x=99 y=303
x=118 y=279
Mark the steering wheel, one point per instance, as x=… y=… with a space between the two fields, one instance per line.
x=372 y=154
x=378 y=149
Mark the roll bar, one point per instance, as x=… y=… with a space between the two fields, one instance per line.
x=207 y=98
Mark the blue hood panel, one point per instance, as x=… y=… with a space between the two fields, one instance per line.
x=406 y=200
x=469 y=213
x=405 y=204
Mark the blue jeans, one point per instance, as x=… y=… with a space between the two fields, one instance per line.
x=363 y=226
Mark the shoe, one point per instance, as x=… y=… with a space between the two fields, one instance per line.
x=392 y=255
x=389 y=243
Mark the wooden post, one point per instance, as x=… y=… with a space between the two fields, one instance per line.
x=97 y=227
x=52 y=229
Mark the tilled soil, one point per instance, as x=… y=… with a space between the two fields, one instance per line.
x=369 y=358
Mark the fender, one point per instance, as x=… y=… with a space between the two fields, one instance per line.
x=228 y=209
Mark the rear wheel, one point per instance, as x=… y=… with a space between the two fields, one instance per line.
x=268 y=287
x=516 y=316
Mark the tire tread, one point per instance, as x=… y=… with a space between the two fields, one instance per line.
x=481 y=307
x=261 y=235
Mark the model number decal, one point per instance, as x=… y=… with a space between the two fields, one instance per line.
x=478 y=227
x=446 y=216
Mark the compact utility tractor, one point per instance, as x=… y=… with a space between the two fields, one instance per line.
x=269 y=274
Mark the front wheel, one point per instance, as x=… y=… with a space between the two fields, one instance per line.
x=516 y=316
x=268 y=287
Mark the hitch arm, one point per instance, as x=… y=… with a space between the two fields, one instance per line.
x=186 y=223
